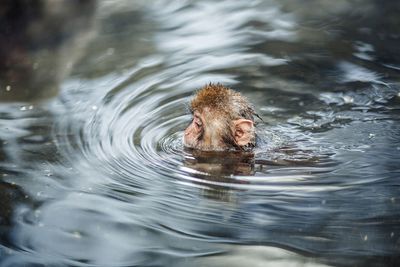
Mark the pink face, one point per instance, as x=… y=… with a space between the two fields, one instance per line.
x=204 y=132
x=194 y=131
x=210 y=131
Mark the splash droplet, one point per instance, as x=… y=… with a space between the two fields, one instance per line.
x=348 y=99
x=77 y=235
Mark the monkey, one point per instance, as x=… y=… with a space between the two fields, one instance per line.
x=222 y=119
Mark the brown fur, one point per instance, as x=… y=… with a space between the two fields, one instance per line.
x=221 y=99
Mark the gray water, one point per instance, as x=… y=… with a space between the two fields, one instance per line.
x=98 y=176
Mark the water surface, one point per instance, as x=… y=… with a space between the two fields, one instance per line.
x=98 y=176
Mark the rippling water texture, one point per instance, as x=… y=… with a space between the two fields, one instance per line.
x=99 y=177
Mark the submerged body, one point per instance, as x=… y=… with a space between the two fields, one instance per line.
x=223 y=119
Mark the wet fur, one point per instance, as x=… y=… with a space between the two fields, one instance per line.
x=223 y=105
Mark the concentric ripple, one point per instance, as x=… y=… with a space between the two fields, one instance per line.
x=133 y=134
x=137 y=136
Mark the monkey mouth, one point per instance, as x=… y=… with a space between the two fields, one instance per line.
x=188 y=144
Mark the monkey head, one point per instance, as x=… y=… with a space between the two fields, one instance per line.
x=223 y=119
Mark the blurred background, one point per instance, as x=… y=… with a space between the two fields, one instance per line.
x=93 y=102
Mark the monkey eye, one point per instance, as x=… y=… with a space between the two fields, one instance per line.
x=197 y=121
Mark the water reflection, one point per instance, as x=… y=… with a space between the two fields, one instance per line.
x=99 y=176
x=220 y=164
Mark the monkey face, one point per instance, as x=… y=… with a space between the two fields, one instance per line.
x=205 y=132
x=211 y=130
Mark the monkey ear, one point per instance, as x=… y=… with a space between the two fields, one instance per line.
x=243 y=131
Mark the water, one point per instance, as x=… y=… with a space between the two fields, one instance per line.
x=98 y=176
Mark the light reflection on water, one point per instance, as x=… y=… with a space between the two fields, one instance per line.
x=99 y=175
